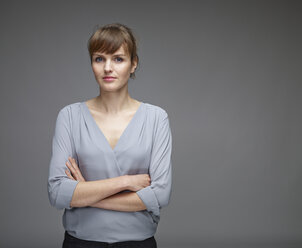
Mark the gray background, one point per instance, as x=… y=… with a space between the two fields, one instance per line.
x=227 y=72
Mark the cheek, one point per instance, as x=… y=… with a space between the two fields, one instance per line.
x=124 y=70
x=96 y=69
x=93 y=67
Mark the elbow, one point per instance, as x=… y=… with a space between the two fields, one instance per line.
x=57 y=206
x=60 y=193
x=53 y=196
x=53 y=200
x=164 y=202
x=155 y=198
x=164 y=198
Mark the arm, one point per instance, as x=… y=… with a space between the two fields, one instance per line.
x=124 y=201
x=90 y=192
x=157 y=195
x=64 y=192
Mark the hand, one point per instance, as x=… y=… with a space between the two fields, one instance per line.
x=73 y=167
x=137 y=182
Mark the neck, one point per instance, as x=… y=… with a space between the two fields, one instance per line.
x=113 y=102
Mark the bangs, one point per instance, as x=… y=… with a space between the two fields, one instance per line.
x=107 y=41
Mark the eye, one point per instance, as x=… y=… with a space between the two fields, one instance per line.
x=98 y=59
x=119 y=59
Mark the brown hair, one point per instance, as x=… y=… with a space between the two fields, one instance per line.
x=110 y=38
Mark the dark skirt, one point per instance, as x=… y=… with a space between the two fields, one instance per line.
x=73 y=242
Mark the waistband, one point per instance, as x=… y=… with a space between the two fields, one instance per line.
x=99 y=244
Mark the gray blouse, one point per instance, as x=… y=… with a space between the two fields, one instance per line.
x=145 y=147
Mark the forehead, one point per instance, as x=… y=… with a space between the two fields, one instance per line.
x=121 y=51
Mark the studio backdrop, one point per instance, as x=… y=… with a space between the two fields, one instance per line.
x=228 y=73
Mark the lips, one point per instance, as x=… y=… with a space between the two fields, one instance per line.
x=108 y=77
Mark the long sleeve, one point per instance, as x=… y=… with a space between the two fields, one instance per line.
x=158 y=194
x=60 y=187
x=144 y=147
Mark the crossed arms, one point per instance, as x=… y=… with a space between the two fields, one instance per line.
x=107 y=193
x=147 y=191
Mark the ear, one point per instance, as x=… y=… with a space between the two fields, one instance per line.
x=134 y=65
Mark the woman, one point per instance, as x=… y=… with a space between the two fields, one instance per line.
x=111 y=155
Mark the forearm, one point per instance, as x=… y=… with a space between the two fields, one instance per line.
x=90 y=192
x=124 y=201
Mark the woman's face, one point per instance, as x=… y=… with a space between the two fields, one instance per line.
x=112 y=71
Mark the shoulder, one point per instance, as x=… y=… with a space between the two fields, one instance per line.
x=156 y=112
x=158 y=120
x=69 y=113
x=70 y=109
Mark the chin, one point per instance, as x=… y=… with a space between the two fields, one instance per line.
x=111 y=86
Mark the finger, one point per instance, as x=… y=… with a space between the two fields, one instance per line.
x=69 y=175
x=70 y=167
x=72 y=162
x=76 y=167
x=75 y=172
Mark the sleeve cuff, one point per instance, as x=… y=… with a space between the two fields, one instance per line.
x=149 y=198
x=67 y=188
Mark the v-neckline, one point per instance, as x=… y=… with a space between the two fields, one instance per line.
x=98 y=129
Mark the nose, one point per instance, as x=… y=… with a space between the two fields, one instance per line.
x=107 y=67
